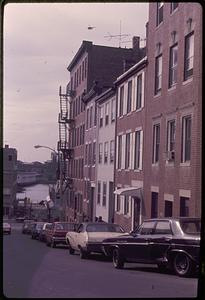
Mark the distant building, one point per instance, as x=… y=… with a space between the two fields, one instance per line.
x=9 y=179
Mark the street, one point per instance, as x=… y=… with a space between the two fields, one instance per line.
x=31 y=269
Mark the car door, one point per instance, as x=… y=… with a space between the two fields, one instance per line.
x=80 y=237
x=160 y=240
x=74 y=237
x=138 y=247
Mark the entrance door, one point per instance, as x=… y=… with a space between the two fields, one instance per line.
x=136 y=216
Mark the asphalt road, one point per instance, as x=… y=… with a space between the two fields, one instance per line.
x=31 y=269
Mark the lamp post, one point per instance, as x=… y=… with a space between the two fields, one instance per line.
x=60 y=171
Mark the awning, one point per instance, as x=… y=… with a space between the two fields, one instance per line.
x=129 y=191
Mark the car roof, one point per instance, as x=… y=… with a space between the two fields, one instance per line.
x=173 y=219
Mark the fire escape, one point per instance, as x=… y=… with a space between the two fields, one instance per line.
x=64 y=149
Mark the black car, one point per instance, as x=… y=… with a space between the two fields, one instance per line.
x=168 y=242
x=36 y=229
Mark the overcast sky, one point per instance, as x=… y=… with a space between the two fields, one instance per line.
x=40 y=40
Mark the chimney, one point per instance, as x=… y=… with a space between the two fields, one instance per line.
x=136 y=42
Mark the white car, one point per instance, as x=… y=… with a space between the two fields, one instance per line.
x=6 y=228
x=88 y=237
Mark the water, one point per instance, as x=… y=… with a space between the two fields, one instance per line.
x=36 y=193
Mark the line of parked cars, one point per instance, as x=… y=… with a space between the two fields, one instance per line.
x=169 y=243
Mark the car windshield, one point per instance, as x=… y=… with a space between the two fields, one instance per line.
x=65 y=226
x=191 y=226
x=104 y=228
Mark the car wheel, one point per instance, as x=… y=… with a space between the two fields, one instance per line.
x=182 y=264
x=83 y=254
x=117 y=259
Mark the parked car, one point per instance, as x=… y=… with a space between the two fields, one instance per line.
x=43 y=231
x=35 y=231
x=168 y=242
x=6 y=228
x=88 y=237
x=26 y=226
x=20 y=219
x=56 y=233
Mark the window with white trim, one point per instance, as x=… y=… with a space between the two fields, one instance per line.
x=106 y=152
x=104 y=193
x=159 y=12
x=156 y=143
x=129 y=96
x=119 y=151
x=173 y=65
x=112 y=151
x=173 y=6
x=121 y=104
x=101 y=116
x=127 y=151
x=106 y=113
x=158 y=74
x=113 y=104
x=138 y=150
x=100 y=153
x=171 y=135
x=189 y=56
x=126 y=204
x=186 y=138
x=99 y=192
x=139 y=92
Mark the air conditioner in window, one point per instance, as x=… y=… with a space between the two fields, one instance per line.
x=170 y=155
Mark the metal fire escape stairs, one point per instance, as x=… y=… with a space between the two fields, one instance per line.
x=64 y=149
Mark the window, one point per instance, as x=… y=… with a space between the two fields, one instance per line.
x=154 y=205
x=118 y=203
x=87 y=118
x=101 y=116
x=99 y=192
x=189 y=56
x=80 y=75
x=119 y=151
x=184 y=207
x=104 y=193
x=113 y=103
x=83 y=68
x=156 y=143
x=173 y=6
x=10 y=157
x=105 y=152
x=147 y=227
x=158 y=74
x=170 y=135
x=139 y=92
x=163 y=227
x=86 y=66
x=100 y=152
x=121 y=101
x=94 y=153
x=90 y=154
x=173 y=65
x=137 y=150
x=95 y=115
x=186 y=138
x=127 y=151
x=168 y=208
x=159 y=12
x=112 y=151
x=91 y=116
x=106 y=113
x=126 y=205
x=129 y=96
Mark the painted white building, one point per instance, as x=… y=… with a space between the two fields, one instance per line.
x=104 y=199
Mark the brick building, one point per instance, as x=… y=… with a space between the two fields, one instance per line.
x=92 y=63
x=172 y=164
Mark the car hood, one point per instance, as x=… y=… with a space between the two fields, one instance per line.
x=100 y=236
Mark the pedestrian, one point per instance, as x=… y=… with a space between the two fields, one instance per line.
x=100 y=219
x=96 y=219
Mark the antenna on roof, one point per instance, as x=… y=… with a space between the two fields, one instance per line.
x=118 y=36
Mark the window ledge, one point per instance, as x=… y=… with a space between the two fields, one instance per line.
x=187 y=81
x=169 y=164
x=139 y=109
x=185 y=164
x=157 y=95
x=137 y=170
x=173 y=87
x=155 y=164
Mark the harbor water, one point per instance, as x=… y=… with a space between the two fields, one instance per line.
x=36 y=192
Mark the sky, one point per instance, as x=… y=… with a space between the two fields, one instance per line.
x=39 y=42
